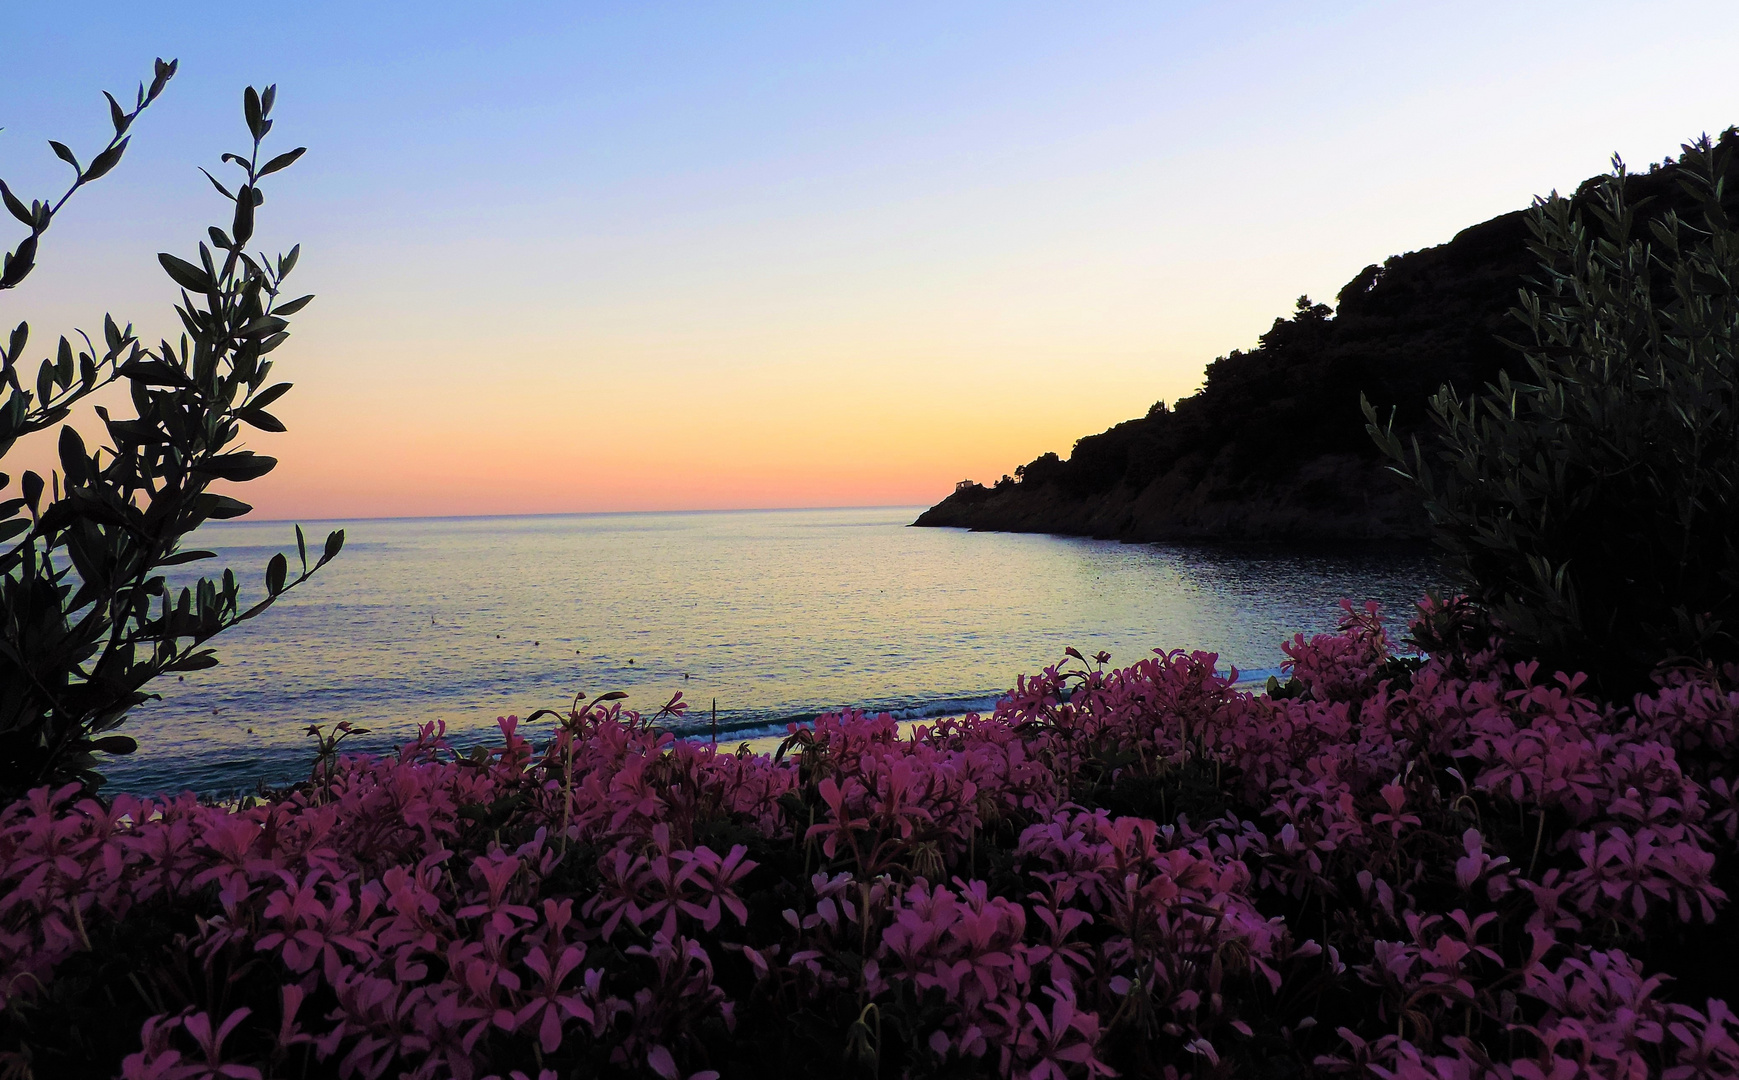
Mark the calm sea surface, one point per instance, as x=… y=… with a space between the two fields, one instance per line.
x=775 y=614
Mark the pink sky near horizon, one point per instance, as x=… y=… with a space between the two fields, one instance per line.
x=598 y=257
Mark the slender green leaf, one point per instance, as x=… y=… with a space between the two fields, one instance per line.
x=16 y=206
x=222 y=507
x=261 y=419
x=260 y=327
x=117 y=115
x=199 y=661
x=103 y=162
x=66 y=155
x=242 y=465
x=283 y=161
x=269 y=394
x=19 y=263
x=221 y=190
x=181 y=557
x=186 y=275
x=252 y=112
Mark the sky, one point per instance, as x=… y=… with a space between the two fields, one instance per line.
x=644 y=256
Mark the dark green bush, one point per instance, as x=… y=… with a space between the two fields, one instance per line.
x=87 y=617
x=1589 y=504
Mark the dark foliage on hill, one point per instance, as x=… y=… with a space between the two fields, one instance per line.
x=1274 y=447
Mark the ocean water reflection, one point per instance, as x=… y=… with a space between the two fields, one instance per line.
x=773 y=614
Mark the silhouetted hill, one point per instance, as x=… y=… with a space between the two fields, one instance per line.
x=1273 y=447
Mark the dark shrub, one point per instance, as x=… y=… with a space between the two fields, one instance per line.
x=87 y=617
x=1590 y=504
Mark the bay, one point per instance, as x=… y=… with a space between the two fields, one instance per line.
x=775 y=615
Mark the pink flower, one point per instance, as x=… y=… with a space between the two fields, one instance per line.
x=550 y=1004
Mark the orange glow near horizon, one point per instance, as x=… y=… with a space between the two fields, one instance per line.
x=596 y=259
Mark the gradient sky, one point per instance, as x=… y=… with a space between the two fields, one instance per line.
x=577 y=256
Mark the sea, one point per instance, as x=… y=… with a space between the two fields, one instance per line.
x=757 y=618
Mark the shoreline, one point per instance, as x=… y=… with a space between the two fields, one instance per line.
x=1252 y=681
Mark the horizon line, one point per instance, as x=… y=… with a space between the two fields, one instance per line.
x=565 y=513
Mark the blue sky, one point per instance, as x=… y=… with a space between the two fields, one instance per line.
x=590 y=256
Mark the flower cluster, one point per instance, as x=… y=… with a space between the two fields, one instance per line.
x=1451 y=865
